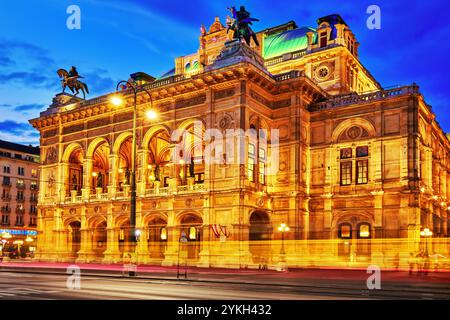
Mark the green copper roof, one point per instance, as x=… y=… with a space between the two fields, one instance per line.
x=287 y=41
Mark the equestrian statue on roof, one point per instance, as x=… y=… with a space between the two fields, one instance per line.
x=70 y=79
x=240 y=25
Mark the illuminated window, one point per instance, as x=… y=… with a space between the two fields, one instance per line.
x=121 y=235
x=346 y=153
x=362 y=172
x=362 y=151
x=345 y=231
x=346 y=173
x=163 y=234
x=192 y=233
x=34 y=173
x=262 y=166
x=251 y=162
x=364 y=231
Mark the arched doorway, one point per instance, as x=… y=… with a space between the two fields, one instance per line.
x=354 y=239
x=75 y=174
x=157 y=236
x=99 y=238
x=191 y=226
x=74 y=238
x=260 y=236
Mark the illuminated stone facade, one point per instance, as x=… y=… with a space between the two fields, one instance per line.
x=355 y=162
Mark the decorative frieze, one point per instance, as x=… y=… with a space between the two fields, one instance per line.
x=99 y=123
x=49 y=133
x=224 y=94
x=73 y=129
x=121 y=117
x=191 y=102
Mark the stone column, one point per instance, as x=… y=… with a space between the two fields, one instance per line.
x=87 y=178
x=64 y=180
x=112 y=187
x=112 y=253
x=59 y=244
x=327 y=215
x=377 y=254
x=85 y=254
x=173 y=235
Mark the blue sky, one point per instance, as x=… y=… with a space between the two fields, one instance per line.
x=118 y=38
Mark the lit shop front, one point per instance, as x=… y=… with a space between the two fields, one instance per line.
x=17 y=243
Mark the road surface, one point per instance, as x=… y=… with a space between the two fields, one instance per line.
x=29 y=285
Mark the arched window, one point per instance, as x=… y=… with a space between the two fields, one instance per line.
x=364 y=231
x=345 y=231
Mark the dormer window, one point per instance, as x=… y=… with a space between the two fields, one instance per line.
x=323 y=41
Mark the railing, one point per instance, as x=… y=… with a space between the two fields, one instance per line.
x=182 y=189
x=164 y=190
x=6 y=183
x=288 y=75
x=6 y=198
x=20 y=186
x=6 y=210
x=199 y=187
x=104 y=196
x=286 y=57
x=48 y=199
x=354 y=98
x=120 y=195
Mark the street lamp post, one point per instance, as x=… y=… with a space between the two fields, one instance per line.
x=116 y=100
x=426 y=233
x=283 y=228
x=282 y=262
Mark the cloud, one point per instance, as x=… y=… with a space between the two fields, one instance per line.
x=29 y=107
x=32 y=79
x=20 y=132
x=18 y=128
x=99 y=82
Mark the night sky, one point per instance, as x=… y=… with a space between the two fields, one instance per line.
x=118 y=38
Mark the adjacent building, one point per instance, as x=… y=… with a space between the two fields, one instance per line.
x=19 y=176
x=360 y=169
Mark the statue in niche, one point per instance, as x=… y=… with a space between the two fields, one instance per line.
x=127 y=176
x=74 y=182
x=100 y=180
x=192 y=168
x=157 y=173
